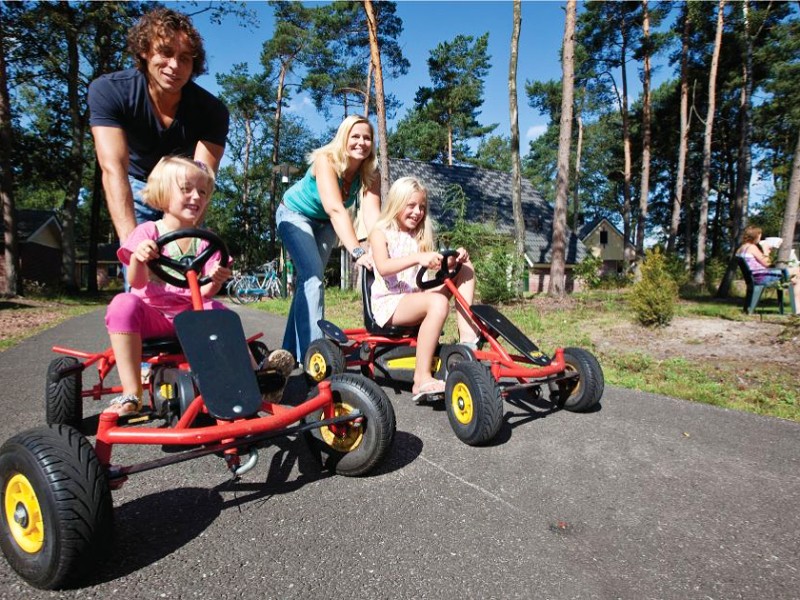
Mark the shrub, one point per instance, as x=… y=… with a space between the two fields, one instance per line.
x=588 y=271
x=653 y=297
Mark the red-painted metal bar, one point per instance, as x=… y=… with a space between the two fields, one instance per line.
x=194 y=286
x=109 y=434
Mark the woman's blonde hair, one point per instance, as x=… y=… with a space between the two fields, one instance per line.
x=336 y=151
x=172 y=170
x=751 y=234
x=398 y=196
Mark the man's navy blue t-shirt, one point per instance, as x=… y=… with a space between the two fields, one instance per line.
x=121 y=100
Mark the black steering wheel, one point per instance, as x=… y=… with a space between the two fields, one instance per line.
x=196 y=264
x=442 y=274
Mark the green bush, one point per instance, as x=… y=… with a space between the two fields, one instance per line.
x=715 y=271
x=496 y=274
x=588 y=271
x=653 y=297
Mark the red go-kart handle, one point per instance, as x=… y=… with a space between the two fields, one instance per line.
x=441 y=275
x=196 y=264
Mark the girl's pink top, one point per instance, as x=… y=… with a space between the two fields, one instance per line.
x=164 y=297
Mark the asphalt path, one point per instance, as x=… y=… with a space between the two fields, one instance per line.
x=647 y=497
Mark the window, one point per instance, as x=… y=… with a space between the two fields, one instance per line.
x=603 y=237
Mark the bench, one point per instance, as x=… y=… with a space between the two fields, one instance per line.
x=755 y=290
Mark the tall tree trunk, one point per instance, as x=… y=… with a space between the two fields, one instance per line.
x=790 y=212
x=557 y=261
x=745 y=166
x=702 y=225
x=683 y=148
x=645 y=185
x=380 y=98
x=626 y=145
x=276 y=144
x=77 y=135
x=516 y=167
x=576 y=201
x=11 y=256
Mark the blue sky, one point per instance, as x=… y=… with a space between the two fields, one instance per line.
x=425 y=24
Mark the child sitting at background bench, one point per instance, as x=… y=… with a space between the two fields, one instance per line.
x=760 y=263
x=401 y=242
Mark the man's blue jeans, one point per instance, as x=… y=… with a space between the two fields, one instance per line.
x=309 y=243
x=143 y=213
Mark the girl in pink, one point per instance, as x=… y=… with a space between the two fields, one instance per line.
x=401 y=243
x=181 y=188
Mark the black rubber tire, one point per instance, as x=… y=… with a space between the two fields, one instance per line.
x=322 y=360
x=585 y=392
x=474 y=403
x=56 y=468
x=63 y=402
x=369 y=442
x=449 y=356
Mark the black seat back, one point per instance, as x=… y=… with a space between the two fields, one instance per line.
x=367 y=277
x=747 y=275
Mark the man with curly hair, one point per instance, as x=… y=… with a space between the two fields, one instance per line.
x=142 y=114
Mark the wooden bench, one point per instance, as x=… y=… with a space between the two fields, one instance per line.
x=755 y=290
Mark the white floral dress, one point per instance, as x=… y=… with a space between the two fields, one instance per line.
x=387 y=291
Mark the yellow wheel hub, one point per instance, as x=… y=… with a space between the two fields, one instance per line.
x=461 y=401
x=573 y=385
x=23 y=514
x=348 y=436
x=317 y=367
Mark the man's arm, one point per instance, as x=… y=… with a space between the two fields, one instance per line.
x=210 y=154
x=112 y=154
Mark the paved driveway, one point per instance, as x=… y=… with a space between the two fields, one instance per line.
x=648 y=497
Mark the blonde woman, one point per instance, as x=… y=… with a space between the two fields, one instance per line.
x=401 y=243
x=314 y=213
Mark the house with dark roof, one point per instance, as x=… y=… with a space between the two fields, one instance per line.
x=489 y=202
x=602 y=238
x=39 y=240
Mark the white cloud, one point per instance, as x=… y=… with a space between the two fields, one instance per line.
x=299 y=104
x=534 y=131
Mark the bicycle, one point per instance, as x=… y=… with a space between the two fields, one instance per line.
x=247 y=287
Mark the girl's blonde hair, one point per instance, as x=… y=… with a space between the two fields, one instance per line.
x=398 y=196
x=169 y=171
x=336 y=151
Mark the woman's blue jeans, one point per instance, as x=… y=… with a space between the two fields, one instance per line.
x=309 y=243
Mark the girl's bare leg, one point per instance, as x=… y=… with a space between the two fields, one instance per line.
x=429 y=310
x=465 y=282
x=128 y=354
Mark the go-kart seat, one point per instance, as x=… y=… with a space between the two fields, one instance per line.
x=161 y=345
x=367 y=277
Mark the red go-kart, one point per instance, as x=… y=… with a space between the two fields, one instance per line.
x=204 y=398
x=477 y=380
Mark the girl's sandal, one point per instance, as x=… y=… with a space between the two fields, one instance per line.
x=431 y=388
x=118 y=405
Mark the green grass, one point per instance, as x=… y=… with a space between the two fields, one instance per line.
x=767 y=390
x=66 y=307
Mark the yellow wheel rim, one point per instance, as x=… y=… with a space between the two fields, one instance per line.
x=350 y=434
x=23 y=514
x=461 y=401
x=573 y=385
x=317 y=367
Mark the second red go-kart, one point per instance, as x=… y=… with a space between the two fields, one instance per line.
x=204 y=398
x=477 y=380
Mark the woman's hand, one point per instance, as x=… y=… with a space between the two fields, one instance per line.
x=462 y=256
x=365 y=261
